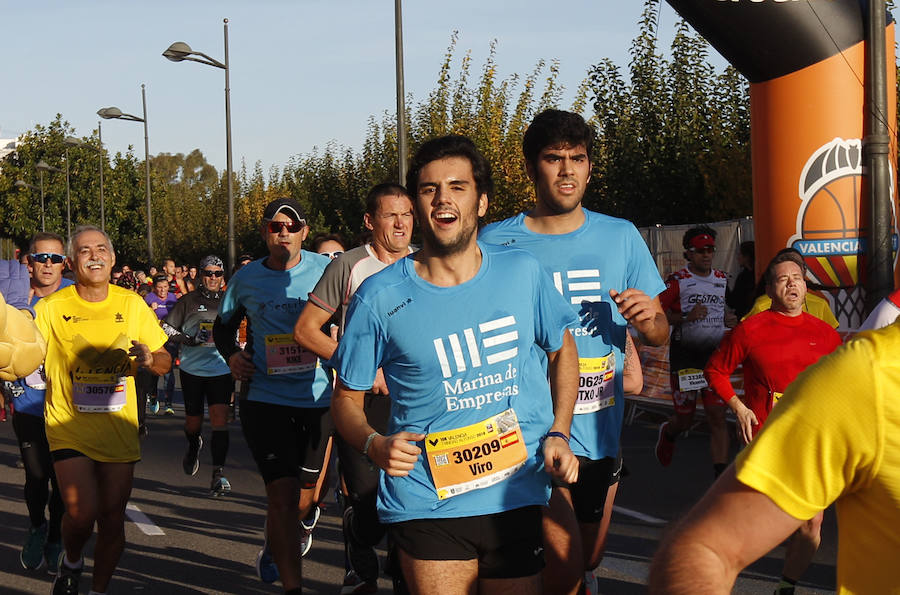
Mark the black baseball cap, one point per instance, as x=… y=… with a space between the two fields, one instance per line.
x=288 y=206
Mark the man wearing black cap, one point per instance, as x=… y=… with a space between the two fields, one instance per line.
x=285 y=392
x=694 y=302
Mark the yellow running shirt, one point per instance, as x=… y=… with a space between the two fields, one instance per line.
x=91 y=403
x=835 y=436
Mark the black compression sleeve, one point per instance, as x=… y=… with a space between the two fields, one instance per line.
x=225 y=334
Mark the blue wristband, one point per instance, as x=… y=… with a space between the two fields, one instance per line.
x=556 y=435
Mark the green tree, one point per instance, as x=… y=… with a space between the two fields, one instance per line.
x=673 y=142
x=123 y=189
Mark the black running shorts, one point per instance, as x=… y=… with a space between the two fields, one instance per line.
x=64 y=454
x=215 y=389
x=287 y=441
x=506 y=544
x=589 y=492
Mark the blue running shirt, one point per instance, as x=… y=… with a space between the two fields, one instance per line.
x=272 y=300
x=455 y=357
x=604 y=253
x=33 y=386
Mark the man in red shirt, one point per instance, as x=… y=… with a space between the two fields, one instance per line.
x=774 y=347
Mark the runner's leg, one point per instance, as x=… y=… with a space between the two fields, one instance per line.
x=28 y=430
x=114 y=481
x=526 y=585
x=593 y=535
x=282 y=526
x=718 y=430
x=218 y=419
x=562 y=544
x=451 y=577
x=78 y=484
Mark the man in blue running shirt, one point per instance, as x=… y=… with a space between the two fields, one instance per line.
x=285 y=392
x=43 y=541
x=603 y=269
x=476 y=431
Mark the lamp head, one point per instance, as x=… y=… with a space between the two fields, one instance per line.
x=108 y=113
x=43 y=165
x=178 y=51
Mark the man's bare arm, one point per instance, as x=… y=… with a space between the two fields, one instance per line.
x=308 y=334
x=644 y=313
x=563 y=368
x=158 y=362
x=348 y=415
x=732 y=526
x=393 y=453
x=632 y=373
x=308 y=331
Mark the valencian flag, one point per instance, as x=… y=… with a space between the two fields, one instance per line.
x=805 y=63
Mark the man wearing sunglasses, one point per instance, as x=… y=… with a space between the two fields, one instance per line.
x=285 y=392
x=42 y=543
x=47 y=263
x=203 y=372
x=98 y=335
x=694 y=301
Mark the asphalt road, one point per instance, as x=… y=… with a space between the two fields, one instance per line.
x=188 y=542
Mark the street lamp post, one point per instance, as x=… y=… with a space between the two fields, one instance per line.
x=77 y=142
x=180 y=51
x=68 y=200
x=102 y=164
x=401 y=101
x=43 y=166
x=108 y=113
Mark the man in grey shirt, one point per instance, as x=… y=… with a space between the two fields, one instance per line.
x=389 y=218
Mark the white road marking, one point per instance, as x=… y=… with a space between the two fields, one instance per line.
x=639 y=516
x=142 y=521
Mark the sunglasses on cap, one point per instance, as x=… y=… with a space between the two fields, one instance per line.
x=332 y=255
x=43 y=257
x=213 y=273
x=291 y=226
x=704 y=250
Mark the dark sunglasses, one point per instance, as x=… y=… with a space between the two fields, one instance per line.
x=332 y=255
x=707 y=250
x=43 y=257
x=213 y=273
x=293 y=226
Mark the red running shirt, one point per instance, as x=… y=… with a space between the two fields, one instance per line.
x=774 y=349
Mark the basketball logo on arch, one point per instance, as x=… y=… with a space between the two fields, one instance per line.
x=831 y=233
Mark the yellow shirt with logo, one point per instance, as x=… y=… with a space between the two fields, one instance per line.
x=87 y=362
x=835 y=436
x=815 y=305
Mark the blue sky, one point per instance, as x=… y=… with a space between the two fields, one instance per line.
x=303 y=72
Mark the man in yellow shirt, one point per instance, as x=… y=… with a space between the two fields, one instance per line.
x=834 y=437
x=97 y=336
